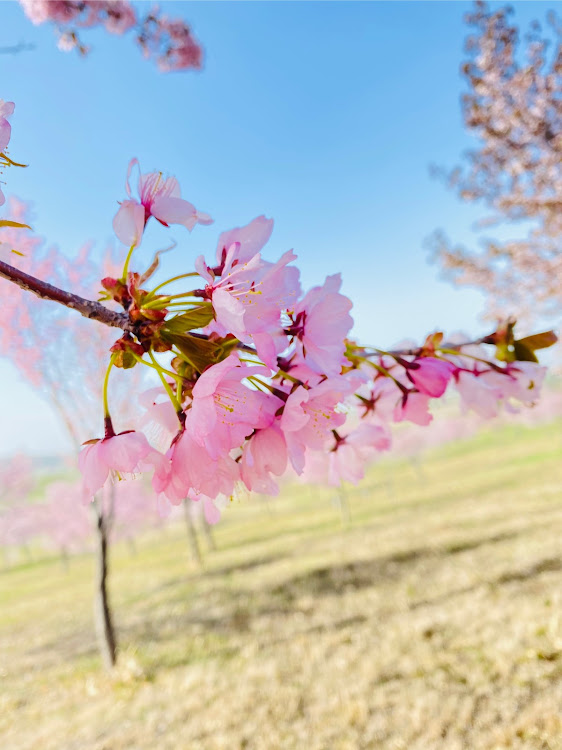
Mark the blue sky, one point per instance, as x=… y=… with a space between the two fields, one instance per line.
x=324 y=116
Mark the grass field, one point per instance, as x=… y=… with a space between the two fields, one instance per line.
x=432 y=618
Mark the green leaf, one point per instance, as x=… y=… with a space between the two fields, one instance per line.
x=539 y=340
x=128 y=360
x=523 y=353
x=125 y=359
x=199 y=317
x=199 y=353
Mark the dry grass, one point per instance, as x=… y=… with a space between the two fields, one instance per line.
x=432 y=619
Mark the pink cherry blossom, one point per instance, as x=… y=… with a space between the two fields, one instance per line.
x=159 y=197
x=430 y=375
x=478 y=394
x=530 y=378
x=224 y=411
x=191 y=469
x=250 y=238
x=122 y=453
x=160 y=420
x=354 y=451
x=319 y=325
x=6 y=109
x=379 y=399
x=522 y=381
x=310 y=416
x=265 y=454
x=413 y=407
x=249 y=297
x=170 y=42
x=211 y=506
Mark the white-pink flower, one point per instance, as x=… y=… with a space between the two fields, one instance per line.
x=354 y=451
x=224 y=410
x=189 y=469
x=413 y=407
x=319 y=324
x=120 y=454
x=159 y=197
x=430 y=375
x=310 y=415
x=249 y=297
x=264 y=455
x=478 y=394
x=250 y=238
x=6 y=110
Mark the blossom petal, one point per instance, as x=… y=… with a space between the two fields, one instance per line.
x=170 y=210
x=128 y=223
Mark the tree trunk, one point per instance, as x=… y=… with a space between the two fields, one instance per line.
x=208 y=531
x=102 y=611
x=192 y=533
x=343 y=504
x=64 y=559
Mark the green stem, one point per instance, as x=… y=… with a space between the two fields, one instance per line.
x=169 y=391
x=167 y=300
x=460 y=353
x=127 y=261
x=286 y=375
x=260 y=385
x=385 y=372
x=256 y=362
x=156 y=367
x=169 y=281
x=105 y=384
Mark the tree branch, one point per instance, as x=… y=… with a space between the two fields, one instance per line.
x=87 y=308
x=14 y=49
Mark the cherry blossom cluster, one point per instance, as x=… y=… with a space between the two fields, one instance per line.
x=168 y=41
x=256 y=377
x=260 y=378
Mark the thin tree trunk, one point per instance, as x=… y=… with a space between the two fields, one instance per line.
x=345 y=509
x=208 y=531
x=64 y=559
x=192 y=533
x=418 y=468
x=102 y=610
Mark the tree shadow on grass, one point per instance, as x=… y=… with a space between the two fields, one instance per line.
x=367 y=573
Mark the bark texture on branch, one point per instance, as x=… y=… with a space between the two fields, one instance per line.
x=87 y=308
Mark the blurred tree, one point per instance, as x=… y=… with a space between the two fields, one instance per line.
x=513 y=106
x=62 y=358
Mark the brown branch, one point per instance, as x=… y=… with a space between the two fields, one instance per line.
x=87 y=308
x=416 y=351
x=14 y=49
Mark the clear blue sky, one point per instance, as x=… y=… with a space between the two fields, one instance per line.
x=325 y=116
